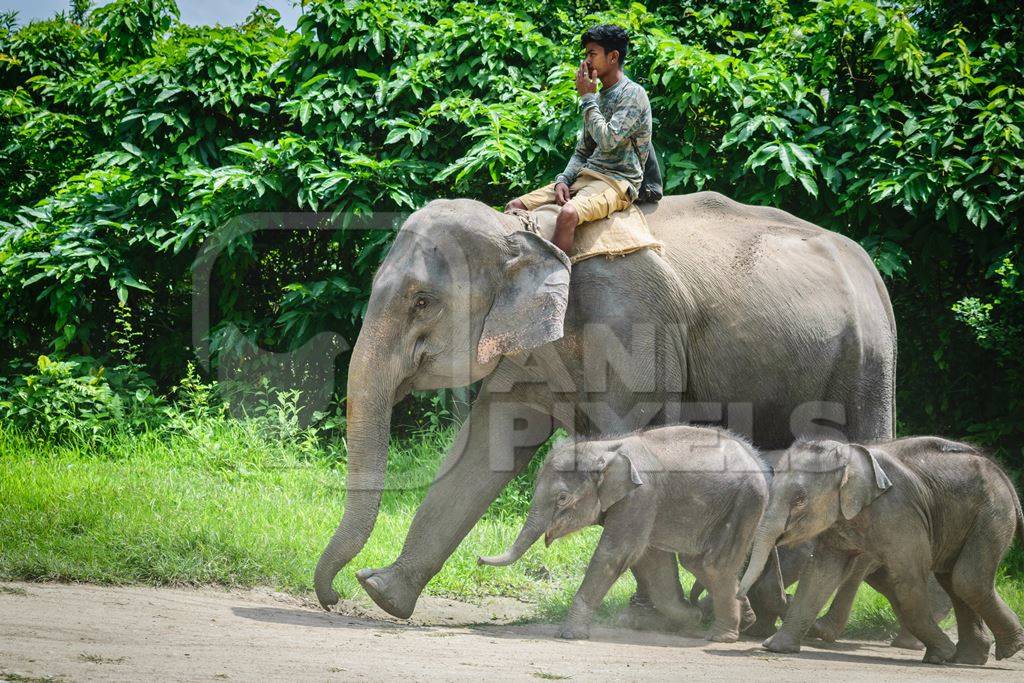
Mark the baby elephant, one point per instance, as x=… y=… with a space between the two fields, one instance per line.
x=902 y=509
x=691 y=491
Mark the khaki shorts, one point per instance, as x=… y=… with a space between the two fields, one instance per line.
x=594 y=195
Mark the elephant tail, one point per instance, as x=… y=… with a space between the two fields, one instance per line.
x=695 y=592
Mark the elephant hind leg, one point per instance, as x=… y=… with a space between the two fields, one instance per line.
x=641 y=613
x=973 y=581
x=657 y=574
x=722 y=583
x=973 y=644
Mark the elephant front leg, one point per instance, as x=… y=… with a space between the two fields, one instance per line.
x=830 y=626
x=767 y=599
x=621 y=546
x=819 y=579
x=488 y=452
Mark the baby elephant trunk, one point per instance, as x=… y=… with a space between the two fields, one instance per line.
x=532 y=530
x=767 y=533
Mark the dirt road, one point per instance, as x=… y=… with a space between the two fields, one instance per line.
x=82 y=632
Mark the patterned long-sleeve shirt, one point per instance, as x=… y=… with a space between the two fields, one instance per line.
x=612 y=122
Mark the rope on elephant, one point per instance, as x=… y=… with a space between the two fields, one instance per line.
x=528 y=220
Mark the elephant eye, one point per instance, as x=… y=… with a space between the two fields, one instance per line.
x=563 y=498
x=421 y=302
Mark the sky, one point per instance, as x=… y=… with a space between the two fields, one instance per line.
x=223 y=12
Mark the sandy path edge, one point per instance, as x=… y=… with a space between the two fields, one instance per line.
x=76 y=632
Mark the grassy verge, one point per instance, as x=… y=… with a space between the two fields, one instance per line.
x=216 y=502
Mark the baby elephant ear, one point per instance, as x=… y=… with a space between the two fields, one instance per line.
x=529 y=306
x=863 y=481
x=617 y=480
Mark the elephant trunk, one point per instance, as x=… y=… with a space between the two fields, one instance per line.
x=768 y=531
x=531 y=531
x=370 y=399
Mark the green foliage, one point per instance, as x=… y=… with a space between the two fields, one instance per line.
x=79 y=10
x=127 y=140
x=129 y=28
x=62 y=399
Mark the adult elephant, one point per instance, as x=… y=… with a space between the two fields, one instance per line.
x=750 y=315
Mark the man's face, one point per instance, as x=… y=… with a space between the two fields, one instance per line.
x=598 y=61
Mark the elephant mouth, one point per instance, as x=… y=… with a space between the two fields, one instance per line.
x=552 y=535
x=403 y=390
x=790 y=538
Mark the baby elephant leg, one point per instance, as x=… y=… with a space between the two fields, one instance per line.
x=823 y=574
x=748 y=615
x=910 y=593
x=972 y=642
x=640 y=614
x=722 y=584
x=938 y=601
x=940 y=606
x=830 y=626
x=767 y=597
x=620 y=547
x=973 y=581
x=657 y=575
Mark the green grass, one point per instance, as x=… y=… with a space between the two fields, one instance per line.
x=221 y=504
x=216 y=502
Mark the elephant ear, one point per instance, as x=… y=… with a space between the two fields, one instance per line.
x=529 y=308
x=617 y=476
x=863 y=481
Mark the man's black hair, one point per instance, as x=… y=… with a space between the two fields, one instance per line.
x=610 y=37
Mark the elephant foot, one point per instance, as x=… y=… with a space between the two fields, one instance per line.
x=722 y=636
x=825 y=629
x=905 y=640
x=939 y=655
x=1008 y=647
x=782 y=642
x=572 y=632
x=643 y=617
x=747 y=617
x=972 y=652
x=762 y=628
x=391 y=592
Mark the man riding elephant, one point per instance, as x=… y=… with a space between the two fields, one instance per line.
x=606 y=171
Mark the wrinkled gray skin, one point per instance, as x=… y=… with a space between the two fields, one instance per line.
x=791 y=561
x=911 y=508
x=748 y=305
x=693 y=492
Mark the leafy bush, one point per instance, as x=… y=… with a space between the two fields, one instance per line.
x=62 y=399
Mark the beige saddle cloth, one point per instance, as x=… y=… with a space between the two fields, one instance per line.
x=621 y=233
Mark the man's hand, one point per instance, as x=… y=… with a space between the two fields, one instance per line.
x=586 y=80
x=562 y=193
